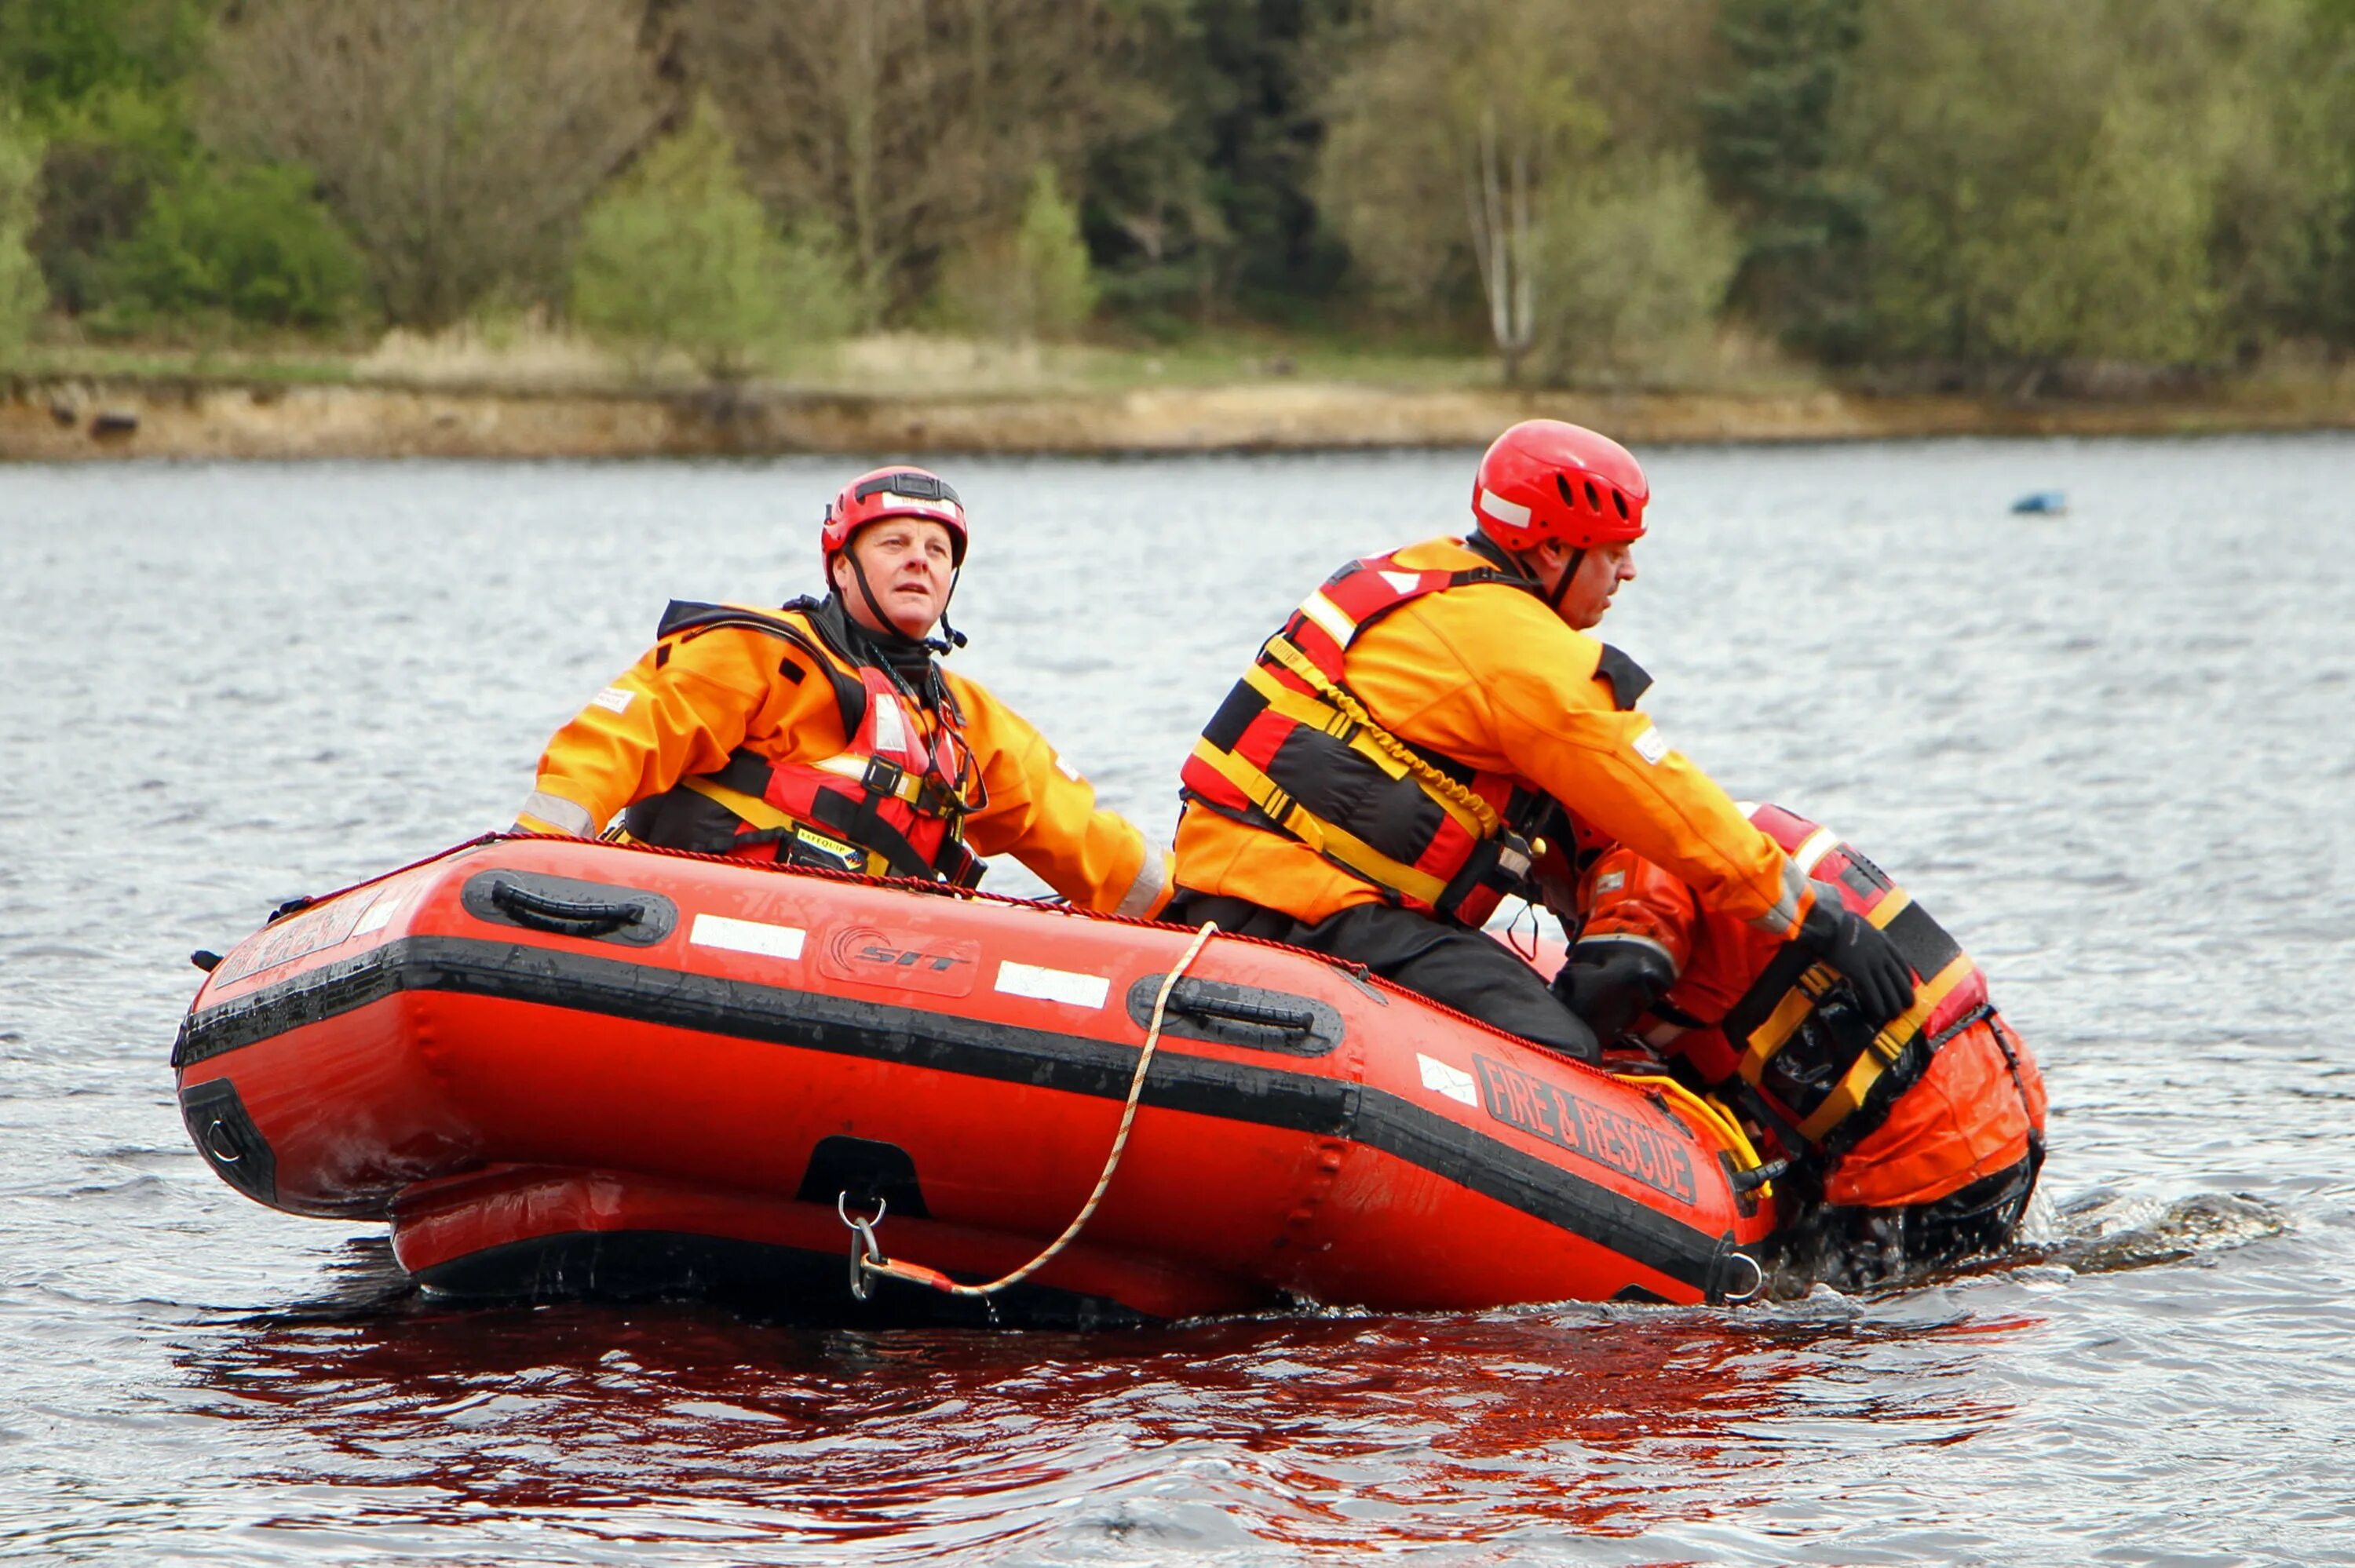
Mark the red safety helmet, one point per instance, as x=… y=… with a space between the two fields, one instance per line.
x=1544 y=478
x=892 y=492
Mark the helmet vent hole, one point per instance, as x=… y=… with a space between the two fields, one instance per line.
x=1569 y=496
x=1593 y=502
x=1620 y=501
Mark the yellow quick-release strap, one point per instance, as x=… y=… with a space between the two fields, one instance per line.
x=1887 y=1046
x=1800 y=999
x=761 y=814
x=908 y=788
x=1462 y=803
x=1318 y=834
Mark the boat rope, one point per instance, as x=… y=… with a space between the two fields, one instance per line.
x=867 y=1257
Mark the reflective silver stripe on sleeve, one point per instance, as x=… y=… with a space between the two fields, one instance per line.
x=1820 y=843
x=1632 y=941
x=1783 y=918
x=565 y=816
x=1151 y=878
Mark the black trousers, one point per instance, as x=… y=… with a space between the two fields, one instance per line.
x=1468 y=970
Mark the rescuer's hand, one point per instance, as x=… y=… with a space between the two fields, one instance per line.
x=1609 y=983
x=1884 y=986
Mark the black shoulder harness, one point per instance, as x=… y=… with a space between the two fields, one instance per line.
x=1627 y=678
x=686 y=620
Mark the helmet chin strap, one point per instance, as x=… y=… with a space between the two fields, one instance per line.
x=1562 y=585
x=949 y=639
x=1561 y=589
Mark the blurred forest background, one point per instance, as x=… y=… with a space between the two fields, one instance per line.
x=2020 y=195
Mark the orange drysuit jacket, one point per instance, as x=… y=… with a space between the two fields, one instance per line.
x=694 y=698
x=1486 y=674
x=1968 y=1116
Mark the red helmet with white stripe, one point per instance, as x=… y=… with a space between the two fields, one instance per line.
x=899 y=491
x=1544 y=478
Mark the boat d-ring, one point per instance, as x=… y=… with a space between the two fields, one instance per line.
x=865 y=1251
x=1757 y=1280
x=231 y=1155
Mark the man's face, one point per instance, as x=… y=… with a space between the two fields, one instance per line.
x=1600 y=572
x=909 y=562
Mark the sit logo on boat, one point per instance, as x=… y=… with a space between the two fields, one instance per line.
x=871 y=956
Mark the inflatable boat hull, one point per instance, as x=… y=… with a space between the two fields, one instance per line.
x=562 y=1068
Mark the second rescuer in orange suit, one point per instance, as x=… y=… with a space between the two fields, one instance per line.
x=826 y=734
x=1910 y=1145
x=1374 y=783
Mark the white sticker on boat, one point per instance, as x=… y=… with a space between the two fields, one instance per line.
x=1454 y=1082
x=1651 y=746
x=1053 y=985
x=379 y=914
x=616 y=698
x=747 y=936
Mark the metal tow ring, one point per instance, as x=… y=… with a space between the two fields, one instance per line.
x=863 y=1248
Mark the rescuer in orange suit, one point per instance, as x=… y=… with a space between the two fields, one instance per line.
x=826 y=734
x=1372 y=786
x=1910 y=1145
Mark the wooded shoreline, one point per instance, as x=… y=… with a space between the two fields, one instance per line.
x=66 y=418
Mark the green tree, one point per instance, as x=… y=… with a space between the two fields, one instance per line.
x=1030 y=282
x=911 y=127
x=22 y=295
x=1767 y=145
x=1637 y=258
x=677 y=253
x=1054 y=260
x=1454 y=130
x=56 y=54
x=252 y=243
x=457 y=140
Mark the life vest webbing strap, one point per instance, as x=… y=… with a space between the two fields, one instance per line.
x=1486 y=822
x=1344 y=848
x=1887 y=1047
x=776 y=824
x=875 y=847
x=890 y=778
x=1315 y=714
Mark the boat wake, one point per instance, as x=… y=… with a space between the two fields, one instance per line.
x=2106 y=1231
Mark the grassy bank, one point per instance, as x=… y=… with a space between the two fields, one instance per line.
x=525 y=391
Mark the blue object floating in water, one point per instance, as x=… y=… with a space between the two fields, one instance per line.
x=2046 y=501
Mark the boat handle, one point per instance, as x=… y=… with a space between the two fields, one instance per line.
x=1186 y=998
x=563 y=916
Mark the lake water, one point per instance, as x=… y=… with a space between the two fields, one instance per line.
x=2113 y=751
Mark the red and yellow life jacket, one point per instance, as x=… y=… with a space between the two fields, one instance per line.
x=890 y=803
x=1292 y=751
x=1794 y=1038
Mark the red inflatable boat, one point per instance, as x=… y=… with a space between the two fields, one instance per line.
x=561 y=1067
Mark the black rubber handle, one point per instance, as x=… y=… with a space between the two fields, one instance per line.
x=1186 y=998
x=562 y=916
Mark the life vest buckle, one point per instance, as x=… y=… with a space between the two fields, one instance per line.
x=884 y=776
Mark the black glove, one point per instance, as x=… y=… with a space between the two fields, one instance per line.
x=1608 y=983
x=1853 y=946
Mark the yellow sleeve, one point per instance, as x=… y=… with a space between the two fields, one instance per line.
x=1044 y=814
x=1523 y=699
x=678 y=711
